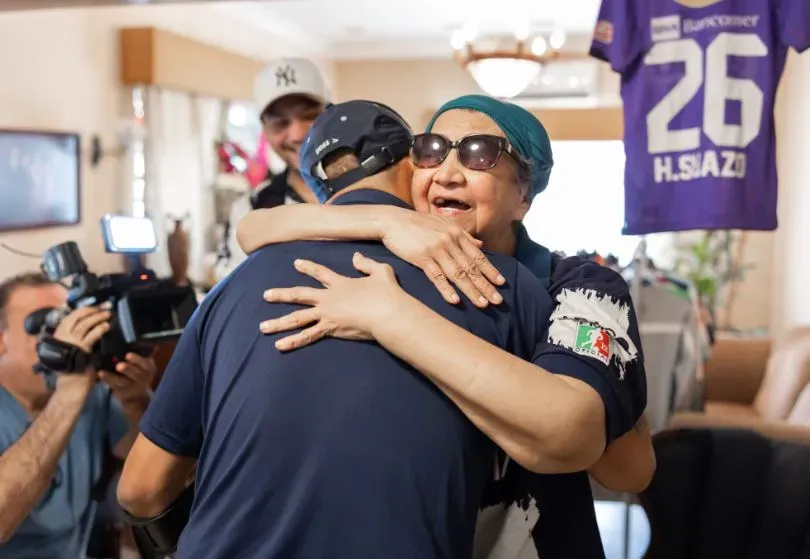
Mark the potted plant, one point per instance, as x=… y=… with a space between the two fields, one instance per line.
x=712 y=265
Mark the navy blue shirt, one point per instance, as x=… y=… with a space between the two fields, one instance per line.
x=591 y=334
x=338 y=449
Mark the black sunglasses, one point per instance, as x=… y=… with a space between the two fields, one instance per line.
x=478 y=152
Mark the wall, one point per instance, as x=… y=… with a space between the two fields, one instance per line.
x=412 y=87
x=791 y=258
x=59 y=81
x=416 y=87
x=60 y=69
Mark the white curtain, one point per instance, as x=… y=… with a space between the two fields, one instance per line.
x=180 y=166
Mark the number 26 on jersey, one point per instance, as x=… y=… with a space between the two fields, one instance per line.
x=707 y=70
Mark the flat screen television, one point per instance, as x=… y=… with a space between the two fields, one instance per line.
x=39 y=179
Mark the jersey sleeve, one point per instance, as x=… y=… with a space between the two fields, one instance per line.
x=616 y=38
x=592 y=335
x=794 y=21
x=173 y=421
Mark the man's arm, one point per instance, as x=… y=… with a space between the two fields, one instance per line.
x=28 y=466
x=131 y=386
x=153 y=479
x=132 y=410
x=163 y=455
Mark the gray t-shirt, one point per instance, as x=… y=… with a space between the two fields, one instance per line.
x=59 y=526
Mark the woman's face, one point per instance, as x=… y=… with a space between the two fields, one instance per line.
x=483 y=203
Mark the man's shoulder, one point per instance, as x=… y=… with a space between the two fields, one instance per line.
x=322 y=252
x=13 y=421
x=273 y=265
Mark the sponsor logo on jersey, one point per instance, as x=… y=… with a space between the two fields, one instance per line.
x=603 y=32
x=593 y=342
x=720 y=21
x=697 y=3
x=666 y=28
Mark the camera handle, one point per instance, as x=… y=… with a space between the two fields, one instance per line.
x=56 y=355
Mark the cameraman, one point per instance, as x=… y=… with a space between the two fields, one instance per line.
x=53 y=444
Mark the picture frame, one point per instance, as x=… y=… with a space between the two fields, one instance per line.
x=40 y=179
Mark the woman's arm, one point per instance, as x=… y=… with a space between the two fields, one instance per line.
x=313 y=222
x=445 y=253
x=628 y=464
x=547 y=423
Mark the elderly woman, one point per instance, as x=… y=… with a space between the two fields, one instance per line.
x=477 y=169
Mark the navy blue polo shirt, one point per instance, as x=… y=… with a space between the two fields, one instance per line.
x=591 y=334
x=338 y=449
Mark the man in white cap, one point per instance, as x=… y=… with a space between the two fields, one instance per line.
x=291 y=93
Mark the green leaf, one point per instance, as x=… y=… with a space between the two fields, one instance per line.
x=706 y=286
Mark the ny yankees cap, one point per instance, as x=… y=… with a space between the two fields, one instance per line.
x=289 y=76
x=375 y=133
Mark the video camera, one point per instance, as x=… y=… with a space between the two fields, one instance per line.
x=144 y=310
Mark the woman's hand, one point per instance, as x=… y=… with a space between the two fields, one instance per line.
x=446 y=253
x=347 y=308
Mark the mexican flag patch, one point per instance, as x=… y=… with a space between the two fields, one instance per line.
x=593 y=342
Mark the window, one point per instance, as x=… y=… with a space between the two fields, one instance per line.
x=138 y=157
x=583 y=206
x=244 y=129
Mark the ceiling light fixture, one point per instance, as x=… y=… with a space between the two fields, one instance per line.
x=507 y=67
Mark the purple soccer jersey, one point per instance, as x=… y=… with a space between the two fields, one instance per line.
x=699 y=79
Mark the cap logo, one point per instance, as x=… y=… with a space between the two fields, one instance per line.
x=325 y=144
x=285 y=76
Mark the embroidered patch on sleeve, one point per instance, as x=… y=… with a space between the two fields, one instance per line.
x=593 y=341
x=595 y=325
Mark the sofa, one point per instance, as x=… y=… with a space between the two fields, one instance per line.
x=757 y=383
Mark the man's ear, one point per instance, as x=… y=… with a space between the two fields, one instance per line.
x=3 y=345
x=404 y=180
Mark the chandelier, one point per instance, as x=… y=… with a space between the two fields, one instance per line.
x=505 y=66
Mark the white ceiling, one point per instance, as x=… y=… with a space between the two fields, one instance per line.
x=345 y=29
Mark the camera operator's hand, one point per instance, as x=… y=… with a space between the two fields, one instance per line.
x=134 y=378
x=82 y=328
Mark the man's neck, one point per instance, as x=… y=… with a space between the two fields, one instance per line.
x=296 y=181
x=32 y=406
x=368 y=184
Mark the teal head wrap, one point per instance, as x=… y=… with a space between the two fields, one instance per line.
x=526 y=134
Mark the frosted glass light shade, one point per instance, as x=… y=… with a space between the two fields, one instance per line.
x=504 y=77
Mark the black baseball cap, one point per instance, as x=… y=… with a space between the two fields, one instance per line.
x=375 y=133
